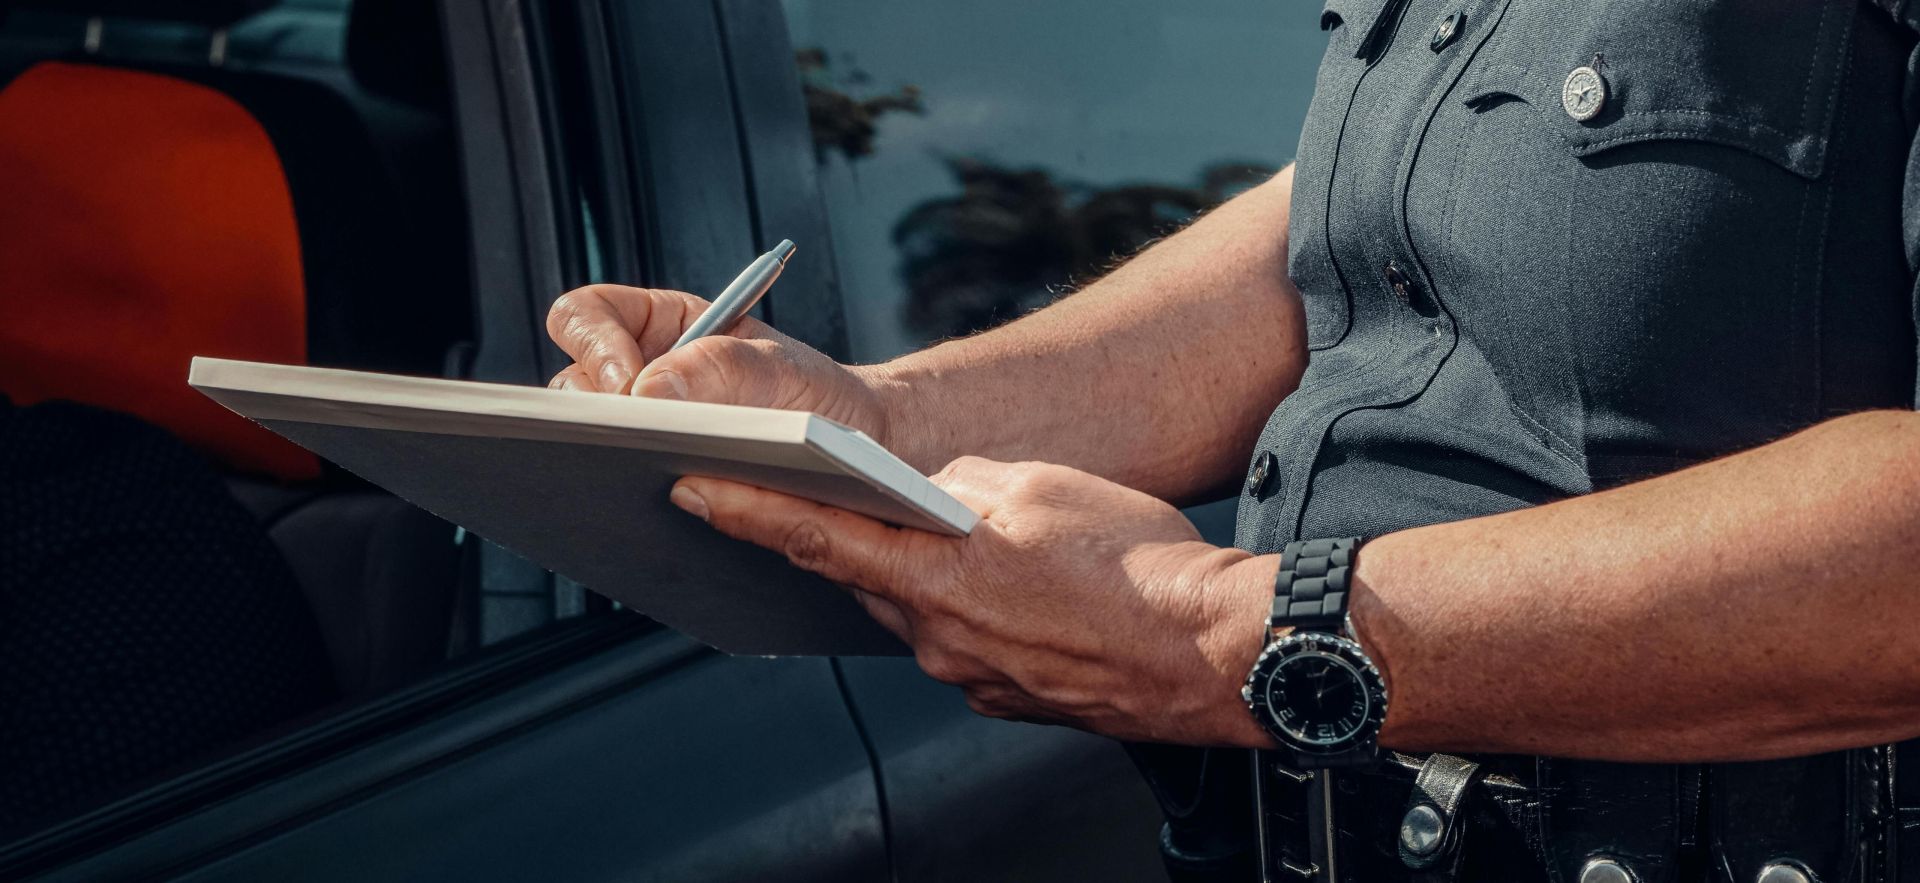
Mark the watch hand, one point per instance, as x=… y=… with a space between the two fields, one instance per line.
x=1322 y=679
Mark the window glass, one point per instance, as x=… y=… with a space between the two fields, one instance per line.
x=293 y=33
x=977 y=158
x=174 y=593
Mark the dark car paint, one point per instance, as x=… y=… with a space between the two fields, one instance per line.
x=971 y=798
x=662 y=781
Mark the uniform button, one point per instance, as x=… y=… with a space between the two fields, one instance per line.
x=1783 y=872
x=1263 y=468
x=1400 y=282
x=1583 y=94
x=1445 y=32
x=1421 y=831
x=1605 y=870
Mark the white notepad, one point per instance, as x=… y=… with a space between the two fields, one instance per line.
x=578 y=482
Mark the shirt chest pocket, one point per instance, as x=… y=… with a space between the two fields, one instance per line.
x=1762 y=77
x=1636 y=178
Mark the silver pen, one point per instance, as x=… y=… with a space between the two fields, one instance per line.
x=739 y=295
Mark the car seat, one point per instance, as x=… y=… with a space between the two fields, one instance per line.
x=160 y=211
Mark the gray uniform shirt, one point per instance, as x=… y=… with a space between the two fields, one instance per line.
x=1523 y=284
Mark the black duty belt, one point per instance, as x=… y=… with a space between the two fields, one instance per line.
x=1845 y=817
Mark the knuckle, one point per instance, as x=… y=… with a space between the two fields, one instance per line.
x=580 y=325
x=680 y=300
x=564 y=312
x=598 y=349
x=1027 y=480
x=806 y=545
x=963 y=466
x=985 y=706
x=940 y=666
x=1042 y=480
x=603 y=296
x=673 y=309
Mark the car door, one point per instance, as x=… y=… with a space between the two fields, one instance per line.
x=597 y=745
x=657 y=143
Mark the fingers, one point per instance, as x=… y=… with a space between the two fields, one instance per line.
x=891 y=616
x=572 y=377
x=657 y=382
x=614 y=331
x=855 y=550
x=601 y=328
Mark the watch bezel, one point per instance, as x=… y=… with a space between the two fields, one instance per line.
x=1277 y=653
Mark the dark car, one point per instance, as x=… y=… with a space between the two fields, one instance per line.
x=451 y=167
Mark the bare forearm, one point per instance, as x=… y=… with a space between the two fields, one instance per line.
x=1759 y=606
x=1158 y=376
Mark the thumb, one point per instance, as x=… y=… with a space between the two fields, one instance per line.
x=723 y=370
x=656 y=382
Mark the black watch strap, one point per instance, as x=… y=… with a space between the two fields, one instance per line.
x=1310 y=591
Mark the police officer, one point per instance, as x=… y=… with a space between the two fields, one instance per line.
x=1567 y=386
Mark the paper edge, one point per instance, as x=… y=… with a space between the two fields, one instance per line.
x=288 y=389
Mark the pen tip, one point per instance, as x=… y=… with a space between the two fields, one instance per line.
x=784 y=250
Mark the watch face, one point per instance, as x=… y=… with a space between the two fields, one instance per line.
x=1318 y=698
x=1318 y=693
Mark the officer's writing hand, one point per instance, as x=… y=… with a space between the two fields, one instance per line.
x=1075 y=600
x=619 y=337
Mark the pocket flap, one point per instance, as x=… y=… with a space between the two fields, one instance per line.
x=1334 y=13
x=1359 y=17
x=1760 y=76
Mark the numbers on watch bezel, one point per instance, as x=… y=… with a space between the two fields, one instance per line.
x=1317 y=693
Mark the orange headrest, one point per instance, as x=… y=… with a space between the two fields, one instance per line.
x=144 y=220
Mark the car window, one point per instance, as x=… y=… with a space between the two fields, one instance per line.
x=980 y=159
x=292 y=33
x=177 y=592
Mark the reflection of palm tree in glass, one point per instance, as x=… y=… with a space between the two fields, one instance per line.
x=1014 y=239
x=840 y=122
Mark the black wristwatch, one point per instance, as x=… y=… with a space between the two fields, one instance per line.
x=1313 y=689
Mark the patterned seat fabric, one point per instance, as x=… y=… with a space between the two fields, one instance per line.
x=146 y=620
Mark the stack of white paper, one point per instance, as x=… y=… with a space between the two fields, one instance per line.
x=578 y=483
